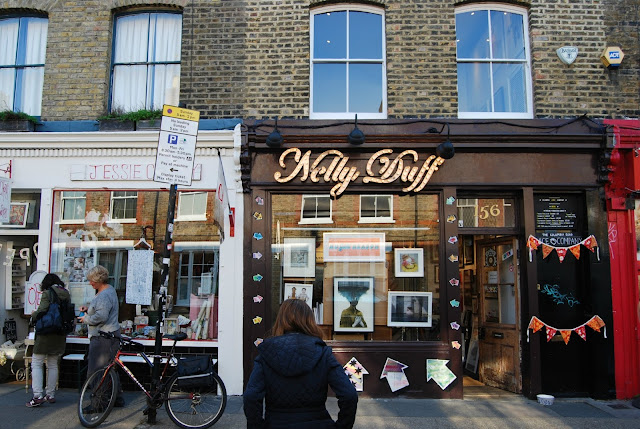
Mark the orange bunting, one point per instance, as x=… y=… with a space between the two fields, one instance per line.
x=566 y=334
x=535 y=324
x=590 y=242
x=550 y=333
x=533 y=242
x=595 y=323
x=575 y=250
x=546 y=250
x=562 y=252
x=580 y=330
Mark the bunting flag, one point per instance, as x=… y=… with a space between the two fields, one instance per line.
x=534 y=243
x=595 y=323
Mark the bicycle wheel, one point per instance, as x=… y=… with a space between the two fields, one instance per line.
x=196 y=408
x=97 y=397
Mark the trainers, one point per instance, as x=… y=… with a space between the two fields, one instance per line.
x=36 y=402
x=50 y=399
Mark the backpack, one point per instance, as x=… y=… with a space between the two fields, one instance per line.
x=59 y=318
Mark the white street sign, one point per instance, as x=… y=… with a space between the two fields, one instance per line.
x=181 y=126
x=175 y=157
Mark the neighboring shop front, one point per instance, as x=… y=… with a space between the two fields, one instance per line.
x=622 y=178
x=91 y=199
x=412 y=262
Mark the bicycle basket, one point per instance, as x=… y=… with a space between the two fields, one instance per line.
x=195 y=372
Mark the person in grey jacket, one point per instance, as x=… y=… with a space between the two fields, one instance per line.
x=102 y=315
x=291 y=376
x=47 y=347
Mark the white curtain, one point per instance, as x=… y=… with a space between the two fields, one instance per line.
x=8 y=46
x=146 y=38
x=33 y=78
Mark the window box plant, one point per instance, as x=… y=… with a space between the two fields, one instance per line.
x=141 y=119
x=11 y=121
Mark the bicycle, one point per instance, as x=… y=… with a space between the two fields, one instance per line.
x=189 y=408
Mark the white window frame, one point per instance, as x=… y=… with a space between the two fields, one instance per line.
x=526 y=61
x=316 y=220
x=64 y=199
x=466 y=203
x=122 y=220
x=377 y=219
x=382 y=61
x=193 y=216
x=188 y=253
x=23 y=84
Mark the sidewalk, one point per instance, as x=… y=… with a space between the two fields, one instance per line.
x=397 y=413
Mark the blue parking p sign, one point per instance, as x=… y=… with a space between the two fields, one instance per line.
x=172 y=138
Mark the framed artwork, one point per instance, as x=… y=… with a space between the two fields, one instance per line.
x=409 y=309
x=299 y=257
x=353 y=304
x=409 y=262
x=472 y=357
x=303 y=292
x=341 y=247
x=171 y=325
x=18 y=213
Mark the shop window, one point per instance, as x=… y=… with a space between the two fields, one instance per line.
x=192 y=206
x=115 y=261
x=124 y=205
x=316 y=209
x=73 y=206
x=146 y=63
x=486 y=212
x=376 y=208
x=363 y=283
x=348 y=66
x=197 y=275
x=494 y=75
x=22 y=59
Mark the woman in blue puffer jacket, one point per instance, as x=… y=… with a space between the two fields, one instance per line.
x=291 y=375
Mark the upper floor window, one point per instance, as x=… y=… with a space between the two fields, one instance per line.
x=192 y=206
x=73 y=205
x=316 y=209
x=23 y=43
x=494 y=77
x=376 y=208
x=124 y=205
x=146 y=61
x=348 y=67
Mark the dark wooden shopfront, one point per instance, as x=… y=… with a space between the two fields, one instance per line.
x=522 y=161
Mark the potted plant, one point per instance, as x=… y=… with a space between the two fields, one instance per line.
x=11 y=121
x=119 y=120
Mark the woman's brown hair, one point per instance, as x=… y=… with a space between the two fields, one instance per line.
x=295 y=316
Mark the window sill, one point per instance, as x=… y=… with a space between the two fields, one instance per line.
x=376 y=220
x=314 y=221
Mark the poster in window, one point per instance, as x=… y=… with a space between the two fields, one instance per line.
x=346 y=247
x=409 y=309
x=303 y=292
x=353 y=304
x=409 y=262
x=17 y=215
x=139 y=277
x=299 y=257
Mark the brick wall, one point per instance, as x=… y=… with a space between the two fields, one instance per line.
x=250 y=58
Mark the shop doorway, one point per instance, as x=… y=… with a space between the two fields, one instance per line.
x=491 y=315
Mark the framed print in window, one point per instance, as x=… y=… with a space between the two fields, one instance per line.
x=353 y=304
x=18 y=213
x=341 y=247
x=409 y=262
x=302 y=292
x=299 y=257
x=409 y=309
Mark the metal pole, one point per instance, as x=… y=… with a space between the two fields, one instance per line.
x=166 y=259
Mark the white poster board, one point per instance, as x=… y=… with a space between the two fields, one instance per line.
x=32 y=291
x=5 y=199
x=139 y=277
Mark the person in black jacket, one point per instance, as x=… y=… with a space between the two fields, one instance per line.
x=291 y=375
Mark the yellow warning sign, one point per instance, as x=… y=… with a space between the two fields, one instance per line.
x=180 y=113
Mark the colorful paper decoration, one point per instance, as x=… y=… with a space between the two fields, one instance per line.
x=258 y=299
x=356 y=372
x=451 y=218
x=258 y=341
x=257 y=320
x=393 y=371
x=594 y=323
x=257 y=236
x=534 y=243
x=455 y=325
x=450 y=201
x=454 y=303
x=438 y=371
x=453 y=258
x=260 y=201
x=454 y=282
x=257 y=255
x=257 y=277
x=456 y=344
x=453 y=239
x=257 y=215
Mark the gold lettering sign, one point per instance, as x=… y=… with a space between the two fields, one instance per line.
x=331 y=166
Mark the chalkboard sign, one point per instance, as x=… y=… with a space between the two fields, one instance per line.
x=10 y=330
x=557 y=213
x=139 y=277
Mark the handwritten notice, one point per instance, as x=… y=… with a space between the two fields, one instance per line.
x=139 y=277
x=5 y=199
x=33 y=292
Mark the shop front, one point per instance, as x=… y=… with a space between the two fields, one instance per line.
x=426 y=272
x=90 y=199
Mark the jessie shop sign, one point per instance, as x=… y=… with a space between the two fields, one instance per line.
x=333 y=167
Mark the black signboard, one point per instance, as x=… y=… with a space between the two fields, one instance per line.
x=10 y=330
x=557 y=213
